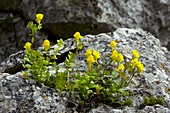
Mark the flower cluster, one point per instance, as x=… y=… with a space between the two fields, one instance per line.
x=134 y=66
x=135 y=63
x=115 y=56
x=46 y=45
x=92 y=56
x=120 y=68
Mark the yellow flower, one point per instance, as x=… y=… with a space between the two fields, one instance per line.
x=135 y=54
x=88 y=52
x=96 y=55
x=120 y=58
x=90 y=59
x=113 y=44
x=77 y=36
x=138 y=64
x=140 y=67
x=27 y=46
x=46 y=45
x=117 y=57
x=114 y=55
x=39 y=17
x=134 y=62
x=120 y=68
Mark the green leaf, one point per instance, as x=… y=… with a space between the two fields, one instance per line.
x=30 y=24
x=60 y=42
x=28 y=65
x=113 y=72
x=45 y=62
x=89 y=91
x=53 y=57
x=26 y=59
x=32 y=39
x=57 y=68
x=120 y=90
x=99 y=67
x=80 y=46
x=87 y=88
x=105 y=72
x=25 y=74
x=39 y=26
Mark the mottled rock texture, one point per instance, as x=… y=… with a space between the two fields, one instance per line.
x=19 y=94
x=64 y=17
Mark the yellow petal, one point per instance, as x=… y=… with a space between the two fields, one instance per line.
x=113 y=44
x=77 y=36
x=88 y=52
x=39 y=17
x=120 y=68
x=46 y=44
x=135 y=54
x=28 y=46
x=96 y=55
x=90 y=59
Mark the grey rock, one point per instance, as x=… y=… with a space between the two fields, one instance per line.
x=104 y=109
x=102 y=16
x=155 y=109
x=18 y=94
x=64 y=17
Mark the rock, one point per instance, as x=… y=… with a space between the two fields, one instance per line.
x=21 y=95
x=10 y=5
x=18 y=94
x=14 y=34
x=153 y=109
x=64 y=17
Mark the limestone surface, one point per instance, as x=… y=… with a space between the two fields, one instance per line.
x=18 y=94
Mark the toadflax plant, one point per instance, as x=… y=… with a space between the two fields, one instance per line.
x=34 y=60
x=96 y=84
x=107 y=86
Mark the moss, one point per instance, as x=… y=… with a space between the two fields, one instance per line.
x=160 y=101
x=153 y=100
x=127 y=102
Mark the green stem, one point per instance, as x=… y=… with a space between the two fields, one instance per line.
x=68 y=77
